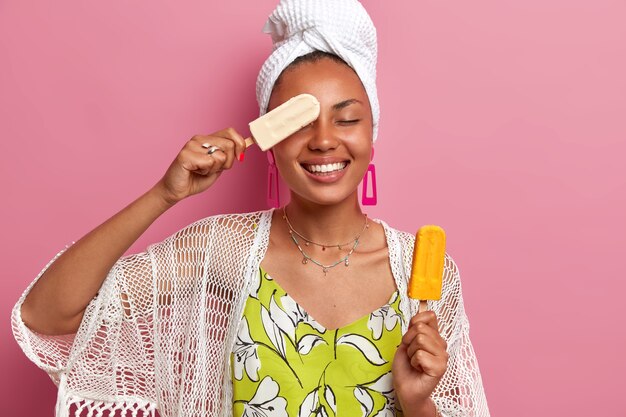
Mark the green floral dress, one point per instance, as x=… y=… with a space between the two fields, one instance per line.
x=286 y=364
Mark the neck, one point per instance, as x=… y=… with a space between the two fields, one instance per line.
x=329 y=224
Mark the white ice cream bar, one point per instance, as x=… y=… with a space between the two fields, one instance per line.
x=284 y=121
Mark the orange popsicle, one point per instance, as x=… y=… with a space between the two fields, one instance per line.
x=428 y=259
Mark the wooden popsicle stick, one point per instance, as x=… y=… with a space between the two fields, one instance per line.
x=249 y=142
x=423 y=306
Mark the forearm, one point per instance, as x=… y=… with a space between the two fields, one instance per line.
x=56 y=303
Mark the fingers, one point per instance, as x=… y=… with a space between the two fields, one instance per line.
x=225 y=155
x=428 y=318
x=432 y=365
x=200 y=163
x=230 y=145
x=427 y=339
x=425 y=347
x=236 y=144
x=193 y=157
x=240 y=142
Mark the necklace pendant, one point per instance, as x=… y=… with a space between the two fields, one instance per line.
x=305 y=261
x=347 y=262
x=323 y=247
x=306 y=243
x=325 y=271
x=339 y=247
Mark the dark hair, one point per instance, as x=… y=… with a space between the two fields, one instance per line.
x=311 y=57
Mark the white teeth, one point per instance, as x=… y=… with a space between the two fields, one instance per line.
x=326 y=168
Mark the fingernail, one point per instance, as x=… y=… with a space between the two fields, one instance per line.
x=241 y=155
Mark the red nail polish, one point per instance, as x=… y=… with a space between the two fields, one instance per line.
x=241 y=155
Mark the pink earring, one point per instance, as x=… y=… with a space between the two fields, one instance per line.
x=371 y=171
x=273 y=199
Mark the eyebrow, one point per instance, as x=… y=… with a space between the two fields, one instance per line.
x=345 y=103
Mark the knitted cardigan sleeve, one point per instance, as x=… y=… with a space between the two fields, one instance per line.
x=49 y=353
x=158 y=330
x=109 y=363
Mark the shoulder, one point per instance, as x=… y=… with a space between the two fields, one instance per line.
x=237 y=223
x=406 y=243
x=233 y=221
x=228 y=227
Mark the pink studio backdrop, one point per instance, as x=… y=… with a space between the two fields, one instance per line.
x=501 y=121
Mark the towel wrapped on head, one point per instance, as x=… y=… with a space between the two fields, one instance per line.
x=339 y=27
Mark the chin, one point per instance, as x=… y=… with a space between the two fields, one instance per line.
x=329 y=198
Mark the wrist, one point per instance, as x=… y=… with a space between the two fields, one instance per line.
x=163 y=198
x=419 y=408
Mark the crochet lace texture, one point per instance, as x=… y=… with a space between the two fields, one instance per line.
x=159 y=333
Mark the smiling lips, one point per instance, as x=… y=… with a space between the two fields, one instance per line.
x=325 y=168
x=328 y=172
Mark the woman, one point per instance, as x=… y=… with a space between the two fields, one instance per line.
x=297 y=311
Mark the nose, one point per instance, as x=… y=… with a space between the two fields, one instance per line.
x=324 y=136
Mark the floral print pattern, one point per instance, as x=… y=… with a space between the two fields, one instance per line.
x=385 y=316
x=266 y=402
x=285 y=363
x=245 y=354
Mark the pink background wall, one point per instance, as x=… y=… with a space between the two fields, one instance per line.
x=502 y=121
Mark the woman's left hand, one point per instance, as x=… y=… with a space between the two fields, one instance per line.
x=420 y=361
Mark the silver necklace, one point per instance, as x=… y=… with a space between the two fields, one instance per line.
x=306 y=258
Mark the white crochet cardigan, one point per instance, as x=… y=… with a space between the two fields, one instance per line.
x=159 y=333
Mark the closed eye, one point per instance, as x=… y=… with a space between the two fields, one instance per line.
x=349 y=121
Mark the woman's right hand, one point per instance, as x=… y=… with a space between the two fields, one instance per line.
x=194 y=170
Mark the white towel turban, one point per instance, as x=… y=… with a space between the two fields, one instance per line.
x=340 y=27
